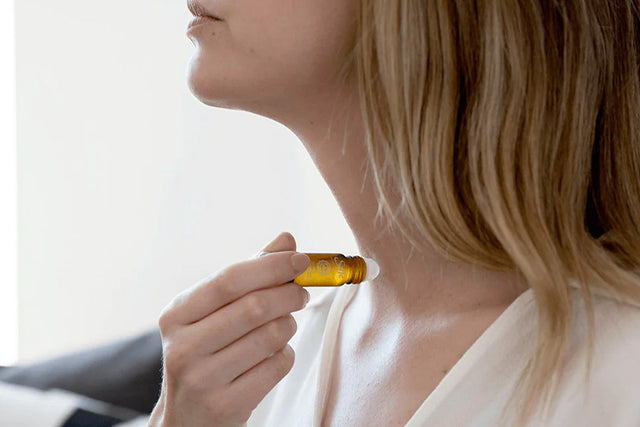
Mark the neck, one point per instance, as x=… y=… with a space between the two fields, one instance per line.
x=411 y=284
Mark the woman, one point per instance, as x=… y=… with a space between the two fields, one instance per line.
x=486 y=155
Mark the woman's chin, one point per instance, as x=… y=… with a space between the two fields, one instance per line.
x=229 y=86
x=202 y=82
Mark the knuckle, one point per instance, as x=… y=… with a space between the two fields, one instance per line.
x=164 y=323
x=175 y=358
x=224 y=277
x=257 y=307
x=165 y=320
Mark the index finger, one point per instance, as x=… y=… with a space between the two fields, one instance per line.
x=232 y=283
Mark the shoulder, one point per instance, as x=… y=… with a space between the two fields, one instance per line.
x=616 y=325
x=616 y=319
x=614 y=375
x=604 y=392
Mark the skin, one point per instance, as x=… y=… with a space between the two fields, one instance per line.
x=279 y=59
x=274 y=59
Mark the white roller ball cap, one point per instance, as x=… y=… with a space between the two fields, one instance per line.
x=373 y=269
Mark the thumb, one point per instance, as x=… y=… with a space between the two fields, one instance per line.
x=283 y=242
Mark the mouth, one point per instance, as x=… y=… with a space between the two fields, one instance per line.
x=201 y=20
x=198 y=10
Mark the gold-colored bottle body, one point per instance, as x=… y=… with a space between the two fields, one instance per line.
x=332 y=270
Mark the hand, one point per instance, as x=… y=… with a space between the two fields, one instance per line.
x=225 y=340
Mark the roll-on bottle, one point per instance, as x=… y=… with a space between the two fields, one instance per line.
x=337 y=270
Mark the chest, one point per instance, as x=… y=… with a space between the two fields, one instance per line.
x=382 y=378
x=377 y=394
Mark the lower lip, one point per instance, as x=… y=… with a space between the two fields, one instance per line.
x=201 y=20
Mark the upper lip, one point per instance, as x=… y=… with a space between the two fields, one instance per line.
x=197 y=9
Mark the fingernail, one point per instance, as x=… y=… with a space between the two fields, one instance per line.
x=300 y=261
x=307 y=296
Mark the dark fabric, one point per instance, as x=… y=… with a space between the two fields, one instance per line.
x=126 y=373
x=103 y=408
x=82 y=418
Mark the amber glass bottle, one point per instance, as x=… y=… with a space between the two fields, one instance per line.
x=337 y=270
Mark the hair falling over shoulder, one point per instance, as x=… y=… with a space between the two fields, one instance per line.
x=511 y=129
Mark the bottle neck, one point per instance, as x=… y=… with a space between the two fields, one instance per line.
x=358 y=269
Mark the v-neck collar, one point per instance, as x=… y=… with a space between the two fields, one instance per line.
x=452 y=377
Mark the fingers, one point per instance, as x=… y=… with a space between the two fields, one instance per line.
x=249 y=350
x=230 y=284
x=255 y=383
x=233 y=321
x=225 y=339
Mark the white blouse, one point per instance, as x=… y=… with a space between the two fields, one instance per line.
x=477 y=387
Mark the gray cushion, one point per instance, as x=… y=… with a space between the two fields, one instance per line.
x=126 y=373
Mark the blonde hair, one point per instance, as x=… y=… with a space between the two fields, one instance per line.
x=511 y=130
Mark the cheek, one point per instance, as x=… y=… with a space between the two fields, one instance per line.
x=294 y=51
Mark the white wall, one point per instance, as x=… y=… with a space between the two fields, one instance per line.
x=8 y=186
x=130 y=189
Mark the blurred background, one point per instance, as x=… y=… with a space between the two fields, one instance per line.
x=118 y=188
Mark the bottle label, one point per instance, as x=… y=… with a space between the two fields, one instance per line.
x=320 y=268
x=340 y=264
x=323 y=267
